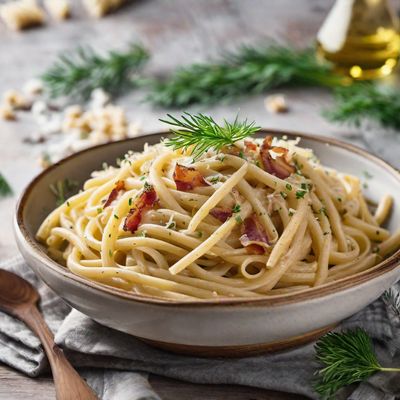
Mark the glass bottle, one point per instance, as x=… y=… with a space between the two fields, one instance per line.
x=361 y=38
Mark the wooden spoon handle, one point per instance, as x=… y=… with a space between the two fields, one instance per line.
x=69 y=385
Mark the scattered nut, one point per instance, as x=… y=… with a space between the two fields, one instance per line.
x=7 y=113
x=16 y=100
x=276 y=104
x=21 y=14
x=58 y=9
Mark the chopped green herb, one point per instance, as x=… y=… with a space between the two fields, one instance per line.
x=238 y=219
x=367 y=175
x=300 y=194
x=116 y=216
x=99 y=210
x=110 y=253
x=143 y=177
x=323 y=211
x=63 y=189
x=365 y=185
x=171 y=225
x=236 y=208
x=5 y=188
x=147 y=186
x=288 y=186
x=284 y=195
x=214 y=179
x=199 y=234
x=130 y=201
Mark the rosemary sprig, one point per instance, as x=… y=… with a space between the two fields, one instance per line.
x=347 y=357
x=366 y=101
x=249 y=70
x=201 y=133
x=77 y=74
x=63 y=189
x=5 y=188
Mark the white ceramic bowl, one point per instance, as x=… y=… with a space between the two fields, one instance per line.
x=211 y=327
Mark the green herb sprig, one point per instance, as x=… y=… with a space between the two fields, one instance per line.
x=392 y=299
x=247 y=71
x=78 y=73
x=203 y=133
x=5 y=188
x=347 y=357
x=63 y=189
x=366 y=101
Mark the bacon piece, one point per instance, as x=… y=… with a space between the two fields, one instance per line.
x=254 y=237
x=278 y=167
x=146 y=200
x=119 y=185
x=222 y=214
x=187 y=178
x=250 y=147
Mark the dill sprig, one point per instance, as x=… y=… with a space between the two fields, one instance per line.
x=366 y=101
x=201 y=133
x=62 y=189
x=347 y=357
x=392 y=299
x=5 y=188
x=248 y=70
x=77 y=74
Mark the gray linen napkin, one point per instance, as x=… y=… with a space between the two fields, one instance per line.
x=89 y=344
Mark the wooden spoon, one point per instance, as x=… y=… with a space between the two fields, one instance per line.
x=19 y=298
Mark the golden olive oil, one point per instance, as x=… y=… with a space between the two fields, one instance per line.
x=361 y=38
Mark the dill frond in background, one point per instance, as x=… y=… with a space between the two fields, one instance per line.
x=249 y=70
x=77 y=74
x=366 y=101
x=203 y=133
x=5 y=188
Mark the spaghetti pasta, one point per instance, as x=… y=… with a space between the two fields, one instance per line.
x=230 y=223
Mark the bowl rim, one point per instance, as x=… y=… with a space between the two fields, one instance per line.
x=37 y=252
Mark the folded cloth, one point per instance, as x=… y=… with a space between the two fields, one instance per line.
x=118 y=362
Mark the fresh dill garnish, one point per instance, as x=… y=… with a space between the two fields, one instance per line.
x=63 y=189
x=248 y=70
x=201 y=133
x=77 y=74
x=5 y=188
x=236 y=208
x=347 y=357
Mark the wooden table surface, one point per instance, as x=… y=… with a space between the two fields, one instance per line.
x=176 y=32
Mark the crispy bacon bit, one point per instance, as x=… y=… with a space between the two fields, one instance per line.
x=254 y=237
x=146 y=200
x=250 y=146
x=222 y=214
x=188 y=178
x=119 y=185
x=278 y=167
